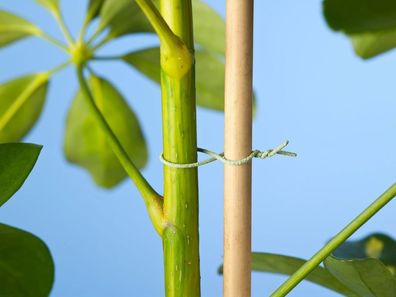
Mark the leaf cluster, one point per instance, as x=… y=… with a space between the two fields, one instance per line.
x=85 y=144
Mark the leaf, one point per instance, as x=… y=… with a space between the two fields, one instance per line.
x=14 y=28
x=360 y=16
x=94 y=8
x=209 y=74
x=209 y=27
x=26 y=265
x=147 y=61
x=272 y=263
x=366 y=266
x=16 y=162
x=368 y=45
x=368 y=278
x=86 y=144
x=210 y=80
x=21 y=102
x=125 y=17
x=51 y=5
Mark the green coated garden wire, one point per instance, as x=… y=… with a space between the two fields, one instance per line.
x=220 y=157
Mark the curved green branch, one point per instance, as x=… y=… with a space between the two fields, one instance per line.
x=321 y=255
x=61 y=22
x=152 y=199
x=52 y=40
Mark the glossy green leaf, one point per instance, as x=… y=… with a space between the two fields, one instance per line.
x=377 y=245
x=272 y=263
x=125 y=17
x=209 y=74
x=209 y=27
x=366 y=266
x=147 y=61
x=26 y=266
x=86 y=144
x=14 y=28
x=368 y=45
x=51 y=5
x=21 y=102
x=360 y=16
x=16 y=162
x=94 y=8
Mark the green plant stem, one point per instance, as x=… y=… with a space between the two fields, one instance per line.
x=318 y=258
x=61 y=22
x=52 y=40
x=176 y=54
x=180 y=238
x=152 y=199
x=156 y=20
x=58 y=68
x=102 y=43
x=94 y=36
x=106 y=58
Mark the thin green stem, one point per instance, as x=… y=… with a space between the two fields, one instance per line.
x=97 y=32
x=83 y=30
x=106 y=58
x=321 y=255
x=102 y=43
x=156 y=20
x=153 y=200
x=52 y=40
x=66 y=33
x=58 y=68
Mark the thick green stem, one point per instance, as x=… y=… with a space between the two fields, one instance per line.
x=180 y=240
x=152 y=199
x=359 y=221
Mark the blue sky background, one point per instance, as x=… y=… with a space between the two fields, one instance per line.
x=336 y=110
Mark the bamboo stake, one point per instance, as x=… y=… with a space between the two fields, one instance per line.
x=238 y=144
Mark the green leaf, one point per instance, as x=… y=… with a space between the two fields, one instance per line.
x=272 y=263
x=210 y=80
x=86 y=144
x=52 y=5
x=209 y=27
x=16 y=162
x=368 y=45
x=94 y=8
x=360 y=16
x=366 y=266
x=125 y=17
x=147 y=61
x=21 y=102
x=26 y=266
x=14 y=28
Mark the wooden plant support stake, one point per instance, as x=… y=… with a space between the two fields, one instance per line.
x=238 y=145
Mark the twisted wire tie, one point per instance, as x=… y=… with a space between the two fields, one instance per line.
x=220 y=157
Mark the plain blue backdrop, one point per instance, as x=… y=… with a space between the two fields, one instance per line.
x=336 y=110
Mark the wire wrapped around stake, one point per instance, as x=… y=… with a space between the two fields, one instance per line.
x=220 y=157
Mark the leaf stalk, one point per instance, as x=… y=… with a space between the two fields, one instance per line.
x=341 y=237
x=153 y=201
